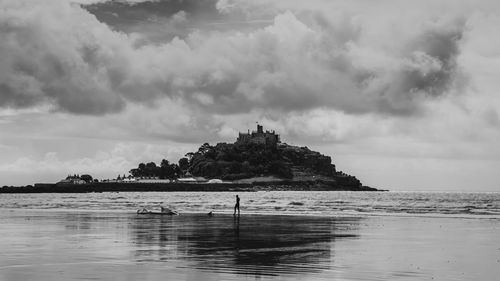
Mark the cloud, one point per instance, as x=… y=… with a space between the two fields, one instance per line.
x=427 y=69
x=155 y=21
x=46 y=57
x=51 y=166
x=397 y=93
x=60 y=54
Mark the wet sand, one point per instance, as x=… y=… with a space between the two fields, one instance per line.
x=62 y=245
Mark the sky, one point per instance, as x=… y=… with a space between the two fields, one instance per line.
x=401 y=94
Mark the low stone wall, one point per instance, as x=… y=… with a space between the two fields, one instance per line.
x=312 y=186
x=286 y=185
x=125 y=187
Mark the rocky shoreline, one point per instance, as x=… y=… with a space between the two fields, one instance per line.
x=185 y=187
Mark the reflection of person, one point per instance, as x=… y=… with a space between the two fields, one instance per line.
x=236 y=227
x=237 y=206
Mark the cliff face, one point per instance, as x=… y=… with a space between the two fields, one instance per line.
x=243 y=161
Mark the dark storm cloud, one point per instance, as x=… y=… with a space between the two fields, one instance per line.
x=308 y=62
x=154 y=18
x=62 y=55
x=430 y=71
x=121 y=13
x=48 y=60
x=12 y=98
x=161 y=20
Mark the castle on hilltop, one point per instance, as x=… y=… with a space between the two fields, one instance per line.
x=259 y=137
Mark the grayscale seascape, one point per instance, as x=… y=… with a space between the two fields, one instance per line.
x=312 y=236
x=155 y=140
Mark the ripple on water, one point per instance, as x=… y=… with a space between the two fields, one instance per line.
x=323 y=203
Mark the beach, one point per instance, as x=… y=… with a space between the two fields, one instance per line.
x=103 y=245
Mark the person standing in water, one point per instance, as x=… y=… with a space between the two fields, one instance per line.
x=237 y=206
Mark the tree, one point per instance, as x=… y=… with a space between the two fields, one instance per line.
x=189 y=155
x=152 y=170
x=204 y=148
x=86 y=178
x=164 y=163
x=177 y=170
x=281 y=169
x=184 y=164
x=166 y=170
x=135 y=172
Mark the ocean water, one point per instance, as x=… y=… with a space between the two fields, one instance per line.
x=279 y=236
x=317 y=203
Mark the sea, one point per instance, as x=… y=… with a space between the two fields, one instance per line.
x=309 y=203
x=281 y=235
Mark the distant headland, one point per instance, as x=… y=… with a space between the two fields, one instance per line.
x=257 y=160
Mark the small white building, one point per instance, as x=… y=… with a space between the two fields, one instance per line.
x=129 y=180
x=215 y=181
x=187 y=180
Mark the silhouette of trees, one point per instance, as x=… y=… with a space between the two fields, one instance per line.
x=184 y=164
x=236 y=161
x=86 y=178
x=229 y=161
x=164 y=171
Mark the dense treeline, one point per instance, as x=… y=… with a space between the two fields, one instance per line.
x=231 y=161
x=166 y=170
x=238 y=161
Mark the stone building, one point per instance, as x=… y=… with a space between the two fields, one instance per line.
x=259 y=136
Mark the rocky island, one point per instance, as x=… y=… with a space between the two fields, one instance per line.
x=257 y=160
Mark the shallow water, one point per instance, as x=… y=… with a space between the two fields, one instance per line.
x=95 y=245
x=474 y=205
x=338 y=235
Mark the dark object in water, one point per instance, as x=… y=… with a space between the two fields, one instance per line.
x=210 y=214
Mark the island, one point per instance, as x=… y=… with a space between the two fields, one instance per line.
x=257 y=160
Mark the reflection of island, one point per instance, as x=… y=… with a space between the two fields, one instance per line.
x=260 y=245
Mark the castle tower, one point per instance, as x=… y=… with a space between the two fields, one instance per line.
x=260 y=129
